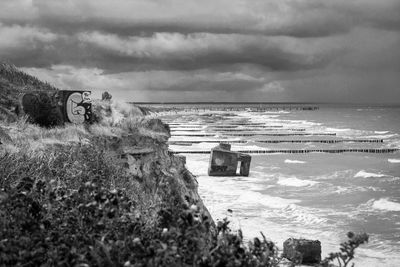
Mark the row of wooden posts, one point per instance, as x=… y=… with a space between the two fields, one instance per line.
x=328 y=141
x=255 y=134
x=256 y=109
x=299 y=151
x=240 y=130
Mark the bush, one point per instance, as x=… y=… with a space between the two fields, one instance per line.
x=75 y=206
x=54 y=225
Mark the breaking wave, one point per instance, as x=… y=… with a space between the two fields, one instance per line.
x=265 y=200
x=386 y=204
x=294 y=161
x=296 y=182
x=364 y=174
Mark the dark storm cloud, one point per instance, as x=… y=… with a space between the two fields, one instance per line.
x=268 y=46
x=174 y=51
x=203 y=50
x=114 y=34
x=309 y=18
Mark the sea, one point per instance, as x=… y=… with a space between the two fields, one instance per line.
x=317 y=171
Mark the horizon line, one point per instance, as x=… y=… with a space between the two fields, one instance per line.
x=259 y=103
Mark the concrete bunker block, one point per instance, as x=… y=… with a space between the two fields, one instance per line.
x=52 y=108
x=302 y=251
x=224 y=162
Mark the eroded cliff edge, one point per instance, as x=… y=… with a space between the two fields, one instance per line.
x=147 y=159
x=135 y=147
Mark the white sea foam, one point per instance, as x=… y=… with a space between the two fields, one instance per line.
x=296 y=182
x=381 y=136
x=289 y=161
x=265 y=200
x=364 y=174
x=303 y=215
x=207 y=146
x=337 y=130
x=341 y=190
x=386 y=204
x=188 y=129
x=381 y=132
x=394 y=160
x=243 y=147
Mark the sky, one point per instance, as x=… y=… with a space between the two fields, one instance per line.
x=345 y=51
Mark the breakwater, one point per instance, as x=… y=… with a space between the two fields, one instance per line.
x=238 y=130
x=327 y=141
x=298 y=151
x=255 y=134
x=225 y=107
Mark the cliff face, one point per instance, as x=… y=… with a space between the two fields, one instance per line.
x=136 y=145
x=148 y=160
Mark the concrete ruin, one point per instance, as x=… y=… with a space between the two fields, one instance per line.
x=302 y=251
x=224 y=162
x=52 y=108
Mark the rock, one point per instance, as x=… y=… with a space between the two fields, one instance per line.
x=302 y=251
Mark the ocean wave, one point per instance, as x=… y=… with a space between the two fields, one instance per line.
x=381 y=132
x=338 y=129
x=296 y=182
x=364 y=174
x=354 y=189
x=294 y=161
x=342 y=190
x=381 y=136
x=394 y=160
x=304 y=216
x=265 y=200
x=386 y=204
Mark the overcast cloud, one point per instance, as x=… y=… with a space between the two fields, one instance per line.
x=210 y=50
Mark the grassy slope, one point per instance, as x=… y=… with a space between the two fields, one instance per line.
x=12 y=83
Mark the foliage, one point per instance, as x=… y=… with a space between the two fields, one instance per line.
x=75 y=207
x=72 y=204
x=347 y=250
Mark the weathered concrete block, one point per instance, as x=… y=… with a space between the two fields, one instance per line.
x=76 y=106
x=51 y=108
x=224 y=162
x=42 y=108
x=302 y=251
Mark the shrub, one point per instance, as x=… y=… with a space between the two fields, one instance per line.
x=347 y=250
x=74 y=205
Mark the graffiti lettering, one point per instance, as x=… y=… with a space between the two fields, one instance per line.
x=78 y=107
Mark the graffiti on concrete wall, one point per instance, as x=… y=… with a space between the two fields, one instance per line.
x=78 y=107
x=41 y=109
x=53 y=108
